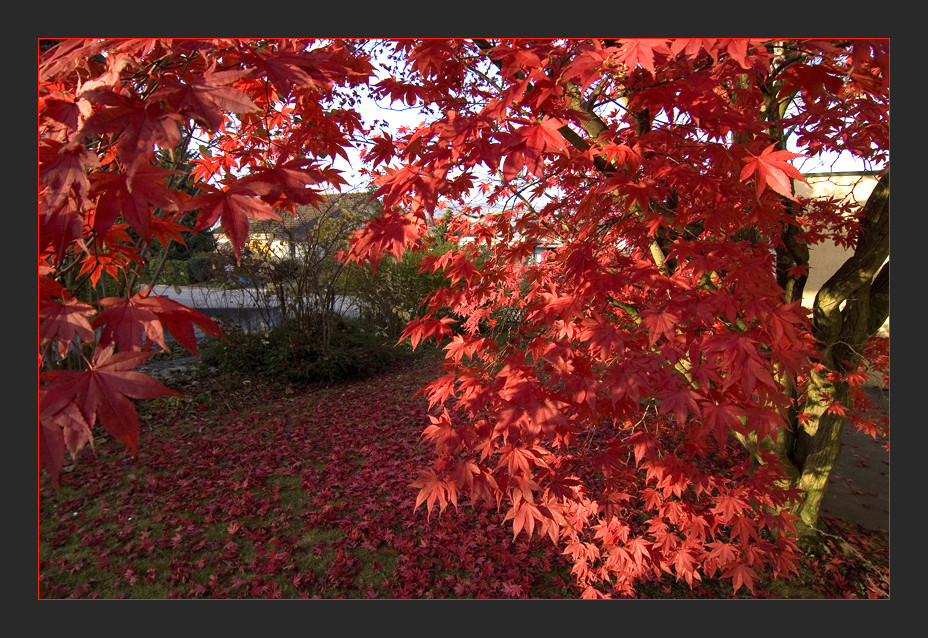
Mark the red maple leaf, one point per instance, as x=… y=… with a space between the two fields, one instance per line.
x=814 y=82
x=441 y=432
x=64 y=321
x=209 y=97
x=67 y=430
x=132 y=197
x=129 y=322
x=179 y=320
x=719 y=419
x=401 y=91
x=685 y=565
x=233 y=207
x=737 y=48
x=114 y=253
x=432 y=490
x=382 y=150
x=728 y=506
x=425 y=327
x=103 y=393
x=292 y=178
x=721 y=552
x=524 y=515
x=64 y=116
x=517 y=460
x=659 y=324
x=640 y=52
x=391 y=233
x=680 y=401
x=462 y=346
x=587 y=65
x=288 y=68
x=62 y=168
x=512 y=590
x=439 y=390
x=528 y=144
x=50 y=288
x=545 y=137
x=67 y=54
x=772 y=169
x=545 y=417
x=165 y=229
x=140 y=126
x=838 y=408
x=742 y=575
x=691 y=47
x=59 y=226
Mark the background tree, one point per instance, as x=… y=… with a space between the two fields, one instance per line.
x=293 y=265
x=396 y=292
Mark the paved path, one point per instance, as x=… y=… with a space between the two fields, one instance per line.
x=241 y=299
x=858 y=488
x=201 y=297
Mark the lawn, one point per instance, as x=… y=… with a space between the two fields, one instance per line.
x=252 y=488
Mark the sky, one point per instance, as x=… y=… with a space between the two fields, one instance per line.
x=830 y=163
x=397 y=118
x=370 y=110
x=410 y=117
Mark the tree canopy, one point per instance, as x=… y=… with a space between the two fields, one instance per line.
x=651 y=396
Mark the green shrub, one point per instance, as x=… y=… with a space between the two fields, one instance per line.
x=295 y=353
x=394 y=295
x=174 y=273
x=198 y=268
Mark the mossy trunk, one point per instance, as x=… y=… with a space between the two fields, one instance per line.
x=818 y=445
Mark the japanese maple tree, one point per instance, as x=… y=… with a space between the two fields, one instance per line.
x=650 y=396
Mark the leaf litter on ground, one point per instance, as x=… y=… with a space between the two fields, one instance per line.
x=248 y=487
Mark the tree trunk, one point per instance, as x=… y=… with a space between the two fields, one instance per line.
x=862 y=286
x=818 y=445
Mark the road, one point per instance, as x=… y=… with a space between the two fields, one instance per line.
x=250 y=307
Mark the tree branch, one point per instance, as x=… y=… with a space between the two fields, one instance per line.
x=879 y=300
x=861 y=269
